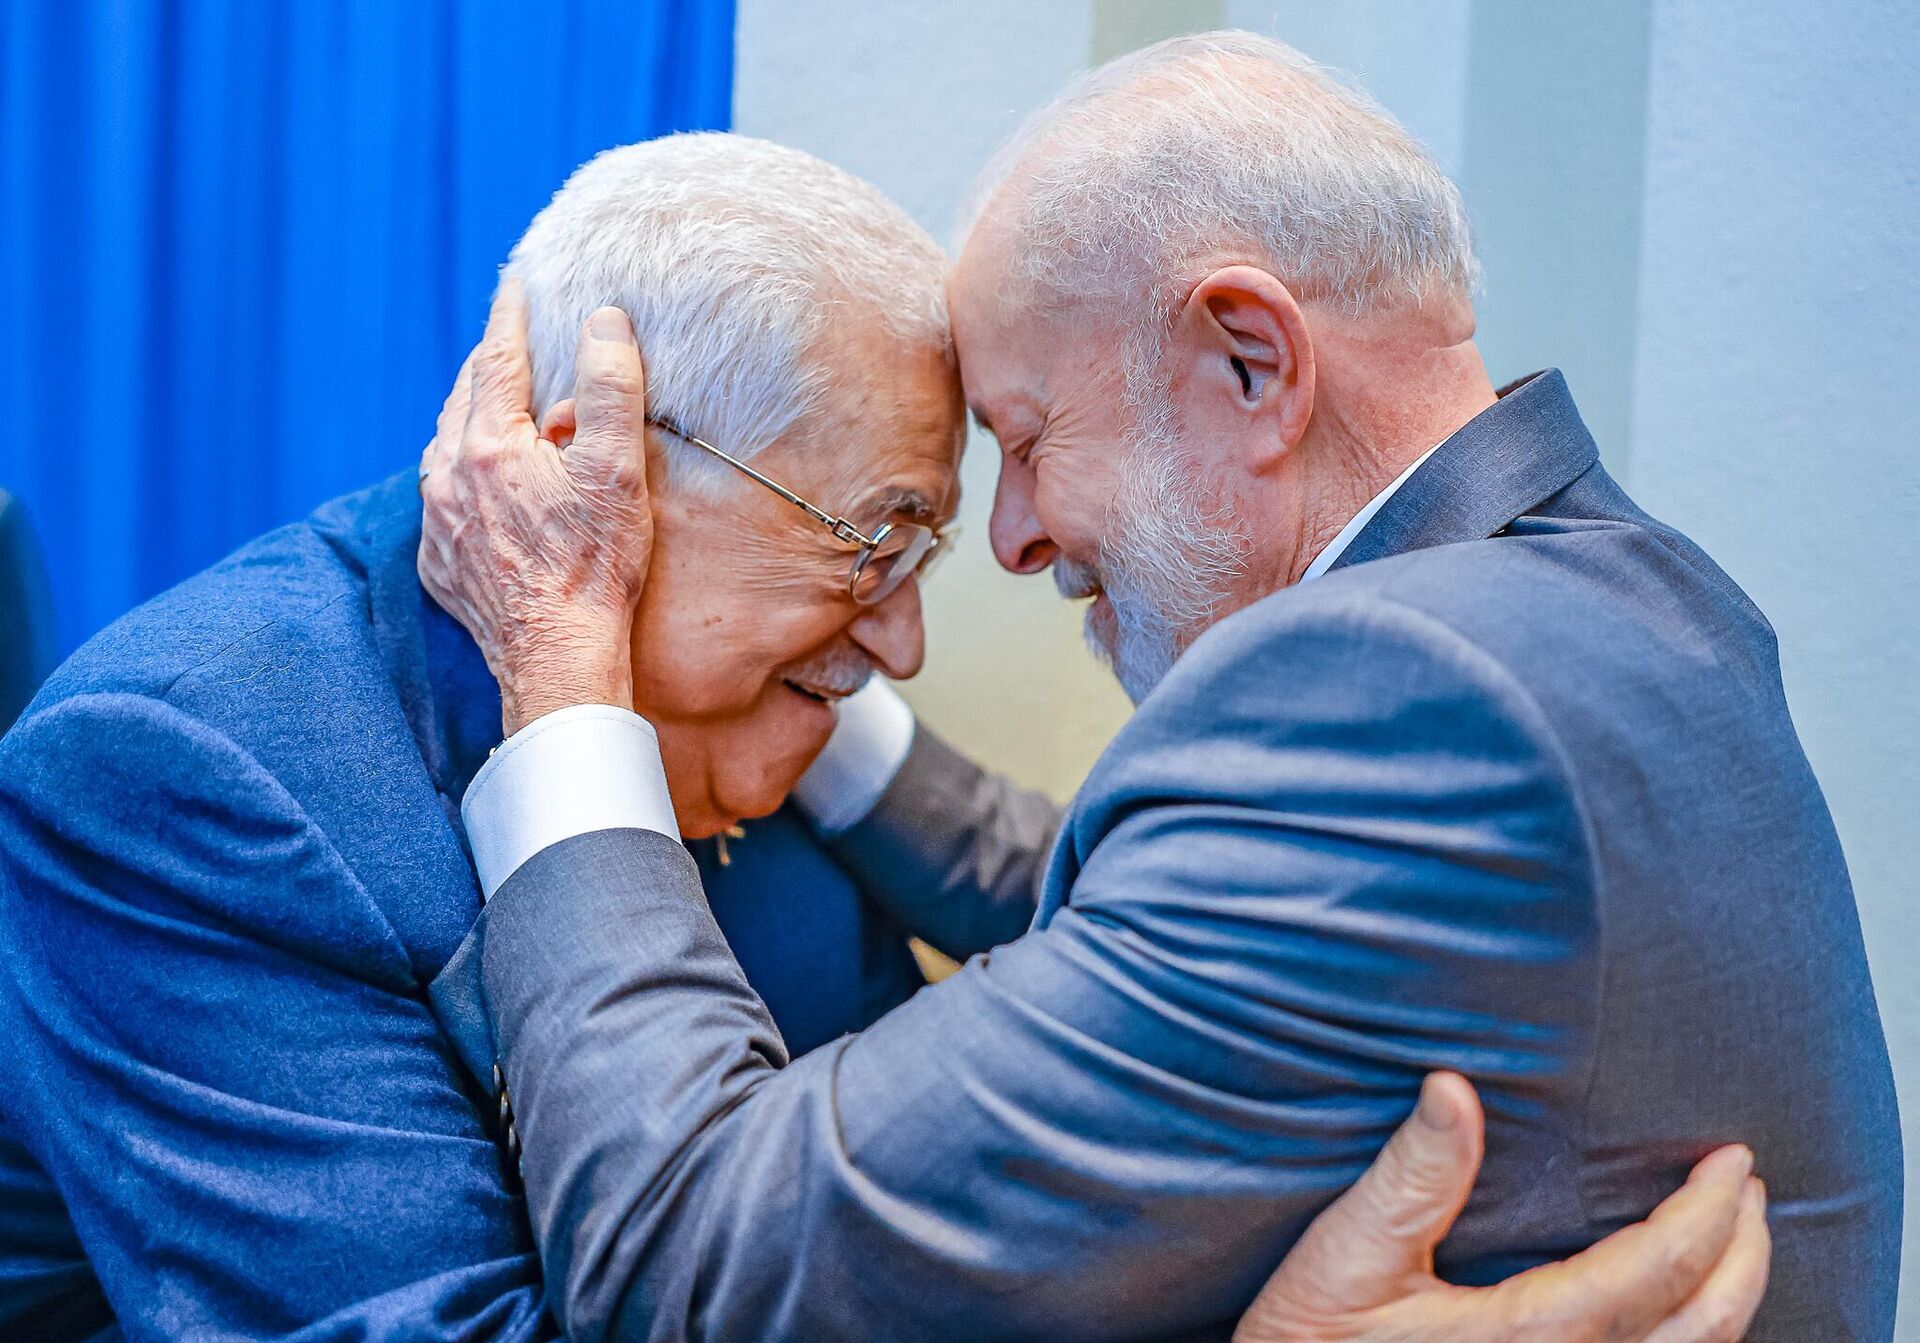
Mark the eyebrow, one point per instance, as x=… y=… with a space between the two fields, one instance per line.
x=900 y=502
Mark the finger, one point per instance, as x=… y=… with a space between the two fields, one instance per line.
x=1359 y=1253
x=1637 y=1277
x=1727 y=1301
x=444 y=446
x=453 y=411
x=502 y=369
x=610 y=398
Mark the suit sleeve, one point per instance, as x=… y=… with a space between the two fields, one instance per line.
x=1286 y=911
x=954 y=853
x=235 y=1081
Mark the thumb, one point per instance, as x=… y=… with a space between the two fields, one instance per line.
x=610 y=398
x=1363 y=1251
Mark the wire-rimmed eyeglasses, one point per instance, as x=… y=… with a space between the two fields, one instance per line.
x=888 y=558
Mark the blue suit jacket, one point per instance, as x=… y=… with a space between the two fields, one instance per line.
x=1513 y=790
x=229 y=866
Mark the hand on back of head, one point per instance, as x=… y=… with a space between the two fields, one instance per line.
x=541 y=553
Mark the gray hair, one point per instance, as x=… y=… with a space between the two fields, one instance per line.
x=730 y=255
x=1147 y=167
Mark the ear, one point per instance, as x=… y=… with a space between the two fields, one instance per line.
x=1249 y=345
x=557 y=425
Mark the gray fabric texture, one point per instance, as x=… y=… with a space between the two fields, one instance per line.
x=1513 y=790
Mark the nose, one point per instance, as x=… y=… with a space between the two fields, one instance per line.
x=891 y=633
x=1020 y=543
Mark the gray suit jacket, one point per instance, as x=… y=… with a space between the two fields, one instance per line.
x=1513 y=791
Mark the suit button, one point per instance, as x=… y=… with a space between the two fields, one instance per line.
x=509 y=1133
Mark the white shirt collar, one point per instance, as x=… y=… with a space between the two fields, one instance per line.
x=1337 y=547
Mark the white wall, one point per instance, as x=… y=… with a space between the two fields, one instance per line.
x=1776 y=412
x=1706 y=212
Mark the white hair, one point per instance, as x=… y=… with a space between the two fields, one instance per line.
x=1150 y=166
x=730 y=255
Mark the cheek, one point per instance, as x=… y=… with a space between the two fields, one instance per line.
x=767 y=752
x=1072 y=505
x=720 y=616
x=691 y=666
x=717 y=656
x=707 y=676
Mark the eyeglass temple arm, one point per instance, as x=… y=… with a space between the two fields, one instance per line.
x=843 y=529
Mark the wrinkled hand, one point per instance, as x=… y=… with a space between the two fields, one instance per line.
x=541 y=552
x=1693 y=1272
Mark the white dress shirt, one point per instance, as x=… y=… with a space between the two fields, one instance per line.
x=1358 y=522
x=867 y=748
x=597 y=767
x=571 y=772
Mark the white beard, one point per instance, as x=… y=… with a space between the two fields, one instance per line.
x=1166 y=559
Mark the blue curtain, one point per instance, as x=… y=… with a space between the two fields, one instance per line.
x=245 y=243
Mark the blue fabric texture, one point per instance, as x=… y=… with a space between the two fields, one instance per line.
x=229 y=867
x=1513 y=791
x=26 y=614
x=244 y=246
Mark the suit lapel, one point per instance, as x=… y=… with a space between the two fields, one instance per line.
x=451 y=702
x=1526 y=447
x=1063 y=867
x=452 y=708
x=449 y=707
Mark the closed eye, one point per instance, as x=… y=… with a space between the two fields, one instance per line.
x=1029 y=446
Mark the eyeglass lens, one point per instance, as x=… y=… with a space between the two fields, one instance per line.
x=902 y=552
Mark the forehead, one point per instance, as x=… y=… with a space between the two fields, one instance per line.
x=1022 y=353
x=981 y=292
x=885 y=439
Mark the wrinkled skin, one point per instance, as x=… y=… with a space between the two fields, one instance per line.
x=543 y=552
x=725 y=621
x=494 y=492
x=1282 y=417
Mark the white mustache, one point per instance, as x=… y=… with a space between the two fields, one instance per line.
x=838 y=672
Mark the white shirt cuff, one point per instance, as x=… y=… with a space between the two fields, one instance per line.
x=867 y=748
x=590 y=767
